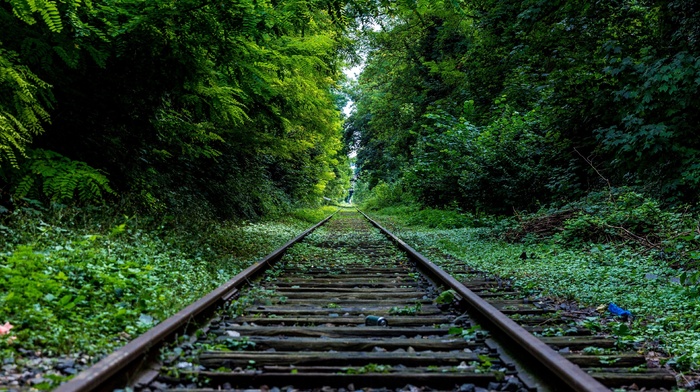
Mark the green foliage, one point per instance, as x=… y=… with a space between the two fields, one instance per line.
x=47 y=9
x=338 y=186
x=441 y=219
x=429 y=217
x=494 y=168
x=691 y=279
x=621 y=215
x=74 y=281
x=21 y=109
x=26 y=280
x=233 y=100
x=60 y=179
x=312 y=215
x=641 y=280
x=385 y=195
x=26 y=51
x=603 y=218
x=250 y=109
x=496 y=105
x=446 y=297
x=653 y=139
x=185 y=137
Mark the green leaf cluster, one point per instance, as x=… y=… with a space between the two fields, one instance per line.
x=21 y=110
x=47 y=10
x=74 y=282
x=60 y=179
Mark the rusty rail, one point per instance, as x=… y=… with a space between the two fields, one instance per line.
x=568 y=372
x=122 y=365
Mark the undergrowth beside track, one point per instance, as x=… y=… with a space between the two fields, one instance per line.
x=74 y=283
x=667 y=312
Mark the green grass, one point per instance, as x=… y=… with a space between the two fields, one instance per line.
x=312 y=215
x=593 y=275
x=412 y=215
x=71 y=285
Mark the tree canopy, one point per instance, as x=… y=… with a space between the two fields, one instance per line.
x=230 y=104
x=495 y=105
x=231 y=108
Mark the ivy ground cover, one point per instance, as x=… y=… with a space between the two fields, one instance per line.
x=71 y=292
x=666 y=313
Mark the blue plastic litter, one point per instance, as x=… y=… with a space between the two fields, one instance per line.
x=618 y=311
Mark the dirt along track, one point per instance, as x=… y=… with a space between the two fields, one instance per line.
x=314 y=321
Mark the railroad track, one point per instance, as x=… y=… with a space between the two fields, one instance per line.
x=610 y=360
x=313 y=315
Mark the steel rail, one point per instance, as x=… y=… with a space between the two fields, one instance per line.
x=114 y=365
x=567 y=372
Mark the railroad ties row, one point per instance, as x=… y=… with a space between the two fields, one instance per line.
x=608 y=359
x=310 y=324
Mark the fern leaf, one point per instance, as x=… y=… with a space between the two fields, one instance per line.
x=24 y=187
x=22 y=9
x=51 y=16
x=21 y=114
x=70 y=58
x=99 y=57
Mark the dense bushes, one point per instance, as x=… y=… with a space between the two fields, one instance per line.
x=507 y=163
x=224 y=106
x=383 y=195
x=620 y=216
x=614 y=217
x=496 y=105
x=77 y=280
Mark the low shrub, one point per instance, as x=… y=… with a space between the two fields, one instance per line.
x=313 y=215
x=615 y=216
x=386 y=195
x=440 y=219
x=88 y=280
